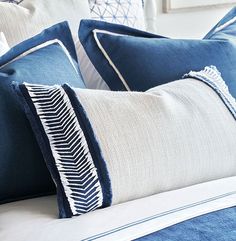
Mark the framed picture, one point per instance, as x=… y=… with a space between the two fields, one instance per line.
x=181 y=5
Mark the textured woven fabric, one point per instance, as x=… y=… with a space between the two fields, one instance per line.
x=19 y=22
x=107 y=147
x=173 y=136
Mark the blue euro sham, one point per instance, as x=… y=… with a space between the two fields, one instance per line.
x=59 y=31
x=128 y=59
x=219 y=225
x=43 y=60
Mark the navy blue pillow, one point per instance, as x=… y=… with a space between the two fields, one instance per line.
x=42 y=60
x=128 y=59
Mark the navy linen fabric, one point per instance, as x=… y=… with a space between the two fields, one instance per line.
x=23 y=173
x=215 y=226
x=145 y=60
x=96 y=56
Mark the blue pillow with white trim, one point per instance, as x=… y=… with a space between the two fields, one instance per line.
x=128 y=59
x=96 y=71
x=42 y=59
x=152 y=142
x=59 y=31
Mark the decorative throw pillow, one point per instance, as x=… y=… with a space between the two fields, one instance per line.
x=3 y=44
x=105 y=147
x=128 y=59
x=59 y=31
x=30 y=17
x=42 y=59
x=89 y=54
x=126 y=12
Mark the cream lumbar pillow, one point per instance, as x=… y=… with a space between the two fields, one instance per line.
x=105 y=147
x=3 y=44
x=20 y=22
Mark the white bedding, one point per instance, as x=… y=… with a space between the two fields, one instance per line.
x=36 y=219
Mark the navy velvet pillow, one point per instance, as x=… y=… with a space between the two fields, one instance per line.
x=128 y=59
x=42 y=60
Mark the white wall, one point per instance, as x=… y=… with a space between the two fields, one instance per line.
x=190 y=24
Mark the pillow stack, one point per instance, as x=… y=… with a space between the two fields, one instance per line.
x=130 y=59
x=161 y=120
x=48 y=57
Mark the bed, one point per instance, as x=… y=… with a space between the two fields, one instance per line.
x=192 y=200
x=36 y=219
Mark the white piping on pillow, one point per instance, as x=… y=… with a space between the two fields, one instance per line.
x=95 y=31
x=45 y=44
x=231 y=21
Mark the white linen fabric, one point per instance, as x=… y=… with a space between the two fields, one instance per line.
x=36 y=219
x=3 y=44
x=172 y=136
x=19 y=22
